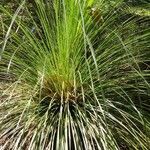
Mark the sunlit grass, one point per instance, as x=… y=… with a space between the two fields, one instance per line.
x=78 y=81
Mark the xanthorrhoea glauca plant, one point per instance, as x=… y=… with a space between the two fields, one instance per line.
x=80 y=78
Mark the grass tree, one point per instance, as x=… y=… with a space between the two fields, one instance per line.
x=77 y=82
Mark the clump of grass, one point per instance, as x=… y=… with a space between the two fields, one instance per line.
x=78 y=83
